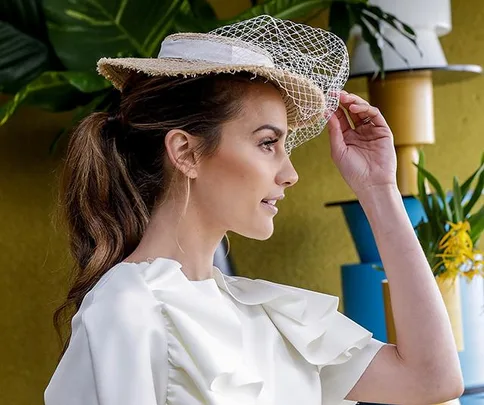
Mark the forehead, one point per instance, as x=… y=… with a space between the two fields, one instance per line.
x=263 y=102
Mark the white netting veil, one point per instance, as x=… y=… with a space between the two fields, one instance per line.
x=304 y=52
x=308 y=65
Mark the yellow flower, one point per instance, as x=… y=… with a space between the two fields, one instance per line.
x=459 y=255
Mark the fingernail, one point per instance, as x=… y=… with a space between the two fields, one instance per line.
x=344 y=92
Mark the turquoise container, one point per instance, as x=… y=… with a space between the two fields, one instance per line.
x=360 y=228
x=472 y=399
x=363 y=297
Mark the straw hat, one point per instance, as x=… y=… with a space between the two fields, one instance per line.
x=308 y=65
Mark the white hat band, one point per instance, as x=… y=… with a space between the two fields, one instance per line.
x=212 y=51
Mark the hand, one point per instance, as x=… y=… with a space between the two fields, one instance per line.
x=365 y=156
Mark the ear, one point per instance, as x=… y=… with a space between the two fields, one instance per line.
x=180 y=149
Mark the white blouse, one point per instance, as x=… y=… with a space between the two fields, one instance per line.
x=146 y=335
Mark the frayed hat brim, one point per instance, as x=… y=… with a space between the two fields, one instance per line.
x=299 y=93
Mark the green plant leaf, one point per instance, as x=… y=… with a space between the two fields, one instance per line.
x=377 y=27
x=340 y=20
x=423 y=197
x=25 y=50
x=477 y=194
x=476 y=222
x=397 y=24
x=457 y=202
x=86 y=82
x=438 y=188
x=22 y=58
x=467 y=184
x=370 y=19
x=202 y=9
x=55 y=91
x=83 y=31
x=437 y=217
x=195 y=16
x=283 y=9
x=371 y=39
x=25 y=16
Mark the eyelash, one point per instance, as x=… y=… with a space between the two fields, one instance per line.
x=267 y=144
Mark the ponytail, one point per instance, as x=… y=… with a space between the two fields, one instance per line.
x=104 y=212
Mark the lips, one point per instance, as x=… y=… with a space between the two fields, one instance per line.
x=271 y=207
x=273 y=199
x=270 y=203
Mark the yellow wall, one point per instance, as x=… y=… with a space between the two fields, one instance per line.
x=32 y=257
x=308 y=247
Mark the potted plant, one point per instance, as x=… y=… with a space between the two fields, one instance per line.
x=451 y=230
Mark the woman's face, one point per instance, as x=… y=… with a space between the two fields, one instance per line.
x=238 y=186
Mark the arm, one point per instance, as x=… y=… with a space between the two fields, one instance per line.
x=424 y=366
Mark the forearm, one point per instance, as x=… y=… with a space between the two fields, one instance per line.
x=424 y=335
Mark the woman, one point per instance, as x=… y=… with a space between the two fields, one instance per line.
x=199 y=146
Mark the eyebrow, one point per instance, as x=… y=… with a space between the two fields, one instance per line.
x=279 y=132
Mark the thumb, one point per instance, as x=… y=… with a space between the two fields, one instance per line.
x=336 y=139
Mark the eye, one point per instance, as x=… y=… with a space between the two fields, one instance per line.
x=267 y=144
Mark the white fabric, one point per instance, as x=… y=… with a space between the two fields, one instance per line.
x=146 y=335
x=212 y=51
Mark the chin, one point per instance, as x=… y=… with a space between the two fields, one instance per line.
x=259 y=233
x=267 y=234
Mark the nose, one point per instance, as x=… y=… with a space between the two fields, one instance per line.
x=287 y=176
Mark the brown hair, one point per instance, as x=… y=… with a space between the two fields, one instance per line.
x=114 y=172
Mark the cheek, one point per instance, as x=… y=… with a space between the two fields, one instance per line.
x=235 y=177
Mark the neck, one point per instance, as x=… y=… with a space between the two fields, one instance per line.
x=186 y=238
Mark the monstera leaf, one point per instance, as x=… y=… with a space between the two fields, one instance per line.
x=25 y=58
x=24 y=46
x=83 y=31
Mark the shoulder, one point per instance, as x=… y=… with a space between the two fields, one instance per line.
x=121 y=299
x=118 y=327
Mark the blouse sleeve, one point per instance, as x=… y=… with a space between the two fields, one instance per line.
x=117 y=355
x=337 y=380
x=339 y=347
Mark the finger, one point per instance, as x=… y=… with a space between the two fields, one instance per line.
x=348 y=99
x=360 y=109
x=336 y=139
x=343 y=119
x=365 y=111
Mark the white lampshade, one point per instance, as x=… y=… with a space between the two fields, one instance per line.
x=427 y=14
x=428 y=42
x=429 y=19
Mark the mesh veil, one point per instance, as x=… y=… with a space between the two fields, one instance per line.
x=306 y=53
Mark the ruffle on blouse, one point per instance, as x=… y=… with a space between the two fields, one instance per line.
x=309 y=320
x=211 y=340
